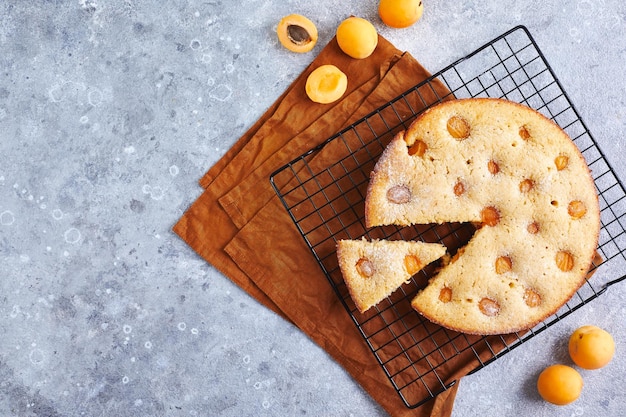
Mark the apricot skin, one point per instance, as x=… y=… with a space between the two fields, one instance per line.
x=297 y=33
x=591 y=347
x=357 y=37
x=400 y=14
x=559 y=384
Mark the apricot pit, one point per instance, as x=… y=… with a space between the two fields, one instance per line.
x=297 y=33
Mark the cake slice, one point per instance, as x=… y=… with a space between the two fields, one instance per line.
x=372 y=270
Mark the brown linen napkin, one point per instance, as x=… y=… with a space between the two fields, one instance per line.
x=205 y=226
x=259 y=248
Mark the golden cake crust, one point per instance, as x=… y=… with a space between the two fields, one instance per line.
x=515 y=172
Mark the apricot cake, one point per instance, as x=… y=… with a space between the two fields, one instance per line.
x=521 y=179
x=372 y=270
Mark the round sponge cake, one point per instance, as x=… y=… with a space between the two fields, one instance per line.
x=521 y=179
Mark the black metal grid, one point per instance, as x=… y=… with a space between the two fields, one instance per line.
x=324 y=194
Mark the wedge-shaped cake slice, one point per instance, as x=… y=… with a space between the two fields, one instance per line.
x=372 y=270
x=519 y=176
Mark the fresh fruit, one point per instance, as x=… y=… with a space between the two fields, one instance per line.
x=591 y=347
x=559 y=384
x=297 y=33
x=326 y=84
x=400 y=13
x=357 y=37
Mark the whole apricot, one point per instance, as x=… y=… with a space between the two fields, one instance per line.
x=400 y=13
x=297 y=33
x=326 y=84
x=559 y=384
x=591 y=347
x=357 y=37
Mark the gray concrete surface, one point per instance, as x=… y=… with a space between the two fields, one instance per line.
x=111 y=110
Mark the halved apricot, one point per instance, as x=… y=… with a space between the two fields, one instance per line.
x=297 y=33
x=326 y=84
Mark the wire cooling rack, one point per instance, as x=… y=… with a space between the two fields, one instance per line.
x=324 y=192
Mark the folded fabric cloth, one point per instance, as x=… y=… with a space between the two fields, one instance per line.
x=239 y=225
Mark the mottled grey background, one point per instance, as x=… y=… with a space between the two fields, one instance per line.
x=111 y=110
